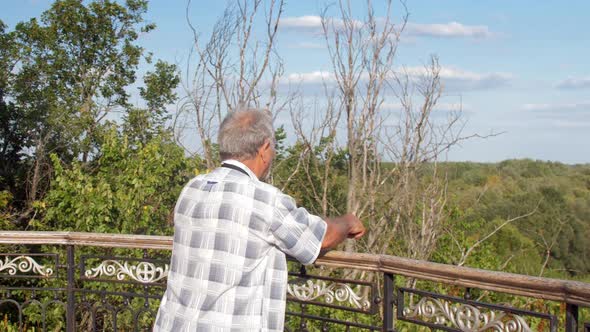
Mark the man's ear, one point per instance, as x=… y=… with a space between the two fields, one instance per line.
x=265 y=146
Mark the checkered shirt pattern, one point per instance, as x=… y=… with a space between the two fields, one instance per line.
x=228 y=269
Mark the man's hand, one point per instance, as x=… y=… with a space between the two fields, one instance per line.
x=340 y=228
x=356 y=228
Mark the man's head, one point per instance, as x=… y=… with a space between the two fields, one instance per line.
x=248 y=136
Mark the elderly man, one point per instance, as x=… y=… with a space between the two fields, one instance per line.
x=231 y=233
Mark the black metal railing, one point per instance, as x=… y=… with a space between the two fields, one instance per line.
x=54 y=281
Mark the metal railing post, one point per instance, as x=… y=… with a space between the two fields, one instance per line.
x=71 y=306
x=388 y=301
x=571 y=317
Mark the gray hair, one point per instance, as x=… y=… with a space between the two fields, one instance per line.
x=243 y=132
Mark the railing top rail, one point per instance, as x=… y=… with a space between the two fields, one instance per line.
x=574 y=292
x=87 y=239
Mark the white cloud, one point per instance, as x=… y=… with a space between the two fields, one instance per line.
x=391 y=106
x=446 y=73
x=302 y=22
x=308 y=45
x=453 y=107
x=455 y=73
x=459 y=80
x=448 y=30
x=571 y=124
x=313 y=23
x=574 y=83
x=453 y=79
x=314 y=77
x=440 y=107
x=562 y=107
x=562 y=115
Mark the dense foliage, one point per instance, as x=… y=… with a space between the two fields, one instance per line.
x=556 y=196
x=75 y=153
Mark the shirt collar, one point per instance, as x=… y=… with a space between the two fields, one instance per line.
x=242 y=166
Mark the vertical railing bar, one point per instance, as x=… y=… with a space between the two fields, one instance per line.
x=44 y=315
x=400 y=303
x=82 y=266
x=467 y=295
x=571 y=317
x=375 y=300
x=20 y=317
x=70 y=310
x=302 y=322
x=302 y=306
x=57 y=266
x=114 y=312
x=553 y=324
x=388 y=283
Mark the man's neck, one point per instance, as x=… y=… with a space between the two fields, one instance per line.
x=250 y=164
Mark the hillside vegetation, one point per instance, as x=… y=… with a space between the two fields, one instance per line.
x=552 y=240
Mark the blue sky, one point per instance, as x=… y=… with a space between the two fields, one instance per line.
x=519 y=67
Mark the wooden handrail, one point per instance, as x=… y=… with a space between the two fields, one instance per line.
x=573 y=292
x=87 y=239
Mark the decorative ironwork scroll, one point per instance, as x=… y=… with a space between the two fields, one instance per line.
x=465 y=317
x=143 y=272
x=14 y=264
x=333 y=291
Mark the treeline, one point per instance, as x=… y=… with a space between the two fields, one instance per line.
x=551 y=239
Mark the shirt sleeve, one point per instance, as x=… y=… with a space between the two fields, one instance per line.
x=295 y=231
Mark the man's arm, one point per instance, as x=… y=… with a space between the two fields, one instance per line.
x=301 y=235
x=341 y=228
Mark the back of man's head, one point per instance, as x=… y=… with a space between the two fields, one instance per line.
x=242 y=132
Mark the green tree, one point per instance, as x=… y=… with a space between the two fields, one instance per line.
x=76 y=62
x=129 y=189
x=62 y=75
x=13 y=138
x=141 y=124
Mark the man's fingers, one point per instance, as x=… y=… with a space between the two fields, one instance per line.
x=357 y=232
x=356 y=227
x=360 y=234
x=356 y=236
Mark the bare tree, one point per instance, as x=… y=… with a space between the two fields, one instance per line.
x=232 y=68
x=396 y=198
x=549 y=242
x=362 y=54
x=315 y=127
x=394 y=182
x=466 y=252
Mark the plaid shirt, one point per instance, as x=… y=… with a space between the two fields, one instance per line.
x=228 y=269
